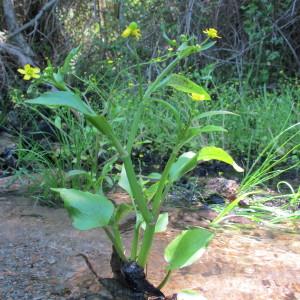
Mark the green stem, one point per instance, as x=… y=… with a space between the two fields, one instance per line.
x=103 y=126
x=165 y=280
x=119 y=248
x=135 y=242
x=146 y=245
x=118 y=238
x=160 y=77
x=139 y=112
x=157 y=200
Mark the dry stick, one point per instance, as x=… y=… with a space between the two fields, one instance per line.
x=12 y=25
x=34 y=21
x=88 y=263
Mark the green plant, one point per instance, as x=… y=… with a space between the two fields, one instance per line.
x=273 y=161
x=89 y=210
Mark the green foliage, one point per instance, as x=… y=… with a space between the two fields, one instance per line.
x=187 y=247
x=87 y=210
x=62 y=98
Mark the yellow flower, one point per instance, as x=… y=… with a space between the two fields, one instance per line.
x=30 y=72
x=212 y=33
x=198 y=97
x=132 y=30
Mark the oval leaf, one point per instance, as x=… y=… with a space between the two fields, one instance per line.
x=122 y=211
x=87 y=210
x=189 y=295
x=213 y=113
x=183 y=84
x=211 y=153
x=195 y=131
x=186 y=248
x=124 y=182
x=161 y=224
x=63 y=98
x=185 y=162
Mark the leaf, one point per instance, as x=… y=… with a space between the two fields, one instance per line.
x=161 y=224
x=210 y=153
x=122 y=211
x=183 y=84
x=73 y=173
x=123 y=181
x=213 y=113
x=57 y=122
x=185 y=162
x=151 y=190
x=186 y=248
x=207 y=45
x=195 y=131
x=67 y=63
x=63 y=98
x=188 y=161
x=185 y=50
x=154 y=175
x=87 y=210
x=189 y=295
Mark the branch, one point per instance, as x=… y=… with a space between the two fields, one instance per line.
x=22 y=58
x=12 y=24
x=34 y=21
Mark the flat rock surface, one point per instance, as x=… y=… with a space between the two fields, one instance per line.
x=39 y=247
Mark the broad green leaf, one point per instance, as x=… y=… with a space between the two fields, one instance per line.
x=183 y=84
x=205 y=129
x=185 y=50
x=161 y=224
x=67 y=63
x=195 y=131
x=189 y=295
x=186 y=248
x=59 y=78
x=73 y=173
x=154 y=175
x=122 y=211
x=213 y=113
x=185 y=163
x=64 y=98
x=211 y=153
x=151 y=190
x=188 y=161
x=57 y=122
x=207 y=45
x=123 y=181
x=87 y=210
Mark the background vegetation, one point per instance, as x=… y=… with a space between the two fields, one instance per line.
x=253 y=72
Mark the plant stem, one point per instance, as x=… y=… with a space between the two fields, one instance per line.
x=165 y=280
x=139 y=112
x=135 y=242
x=146 y=245
x=119 y=247
x=103 y=126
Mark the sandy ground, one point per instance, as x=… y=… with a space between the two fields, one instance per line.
x=39 y=247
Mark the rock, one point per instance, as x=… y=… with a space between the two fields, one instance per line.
x=226 y=188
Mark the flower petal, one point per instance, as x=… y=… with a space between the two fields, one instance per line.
x=198 y=97
x=21 y=71
x=126 y=33
x=27 y=68
x=36 y=70
x=27 y=77
x=35 y=75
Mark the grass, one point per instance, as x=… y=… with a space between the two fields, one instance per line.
x=273 y=161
